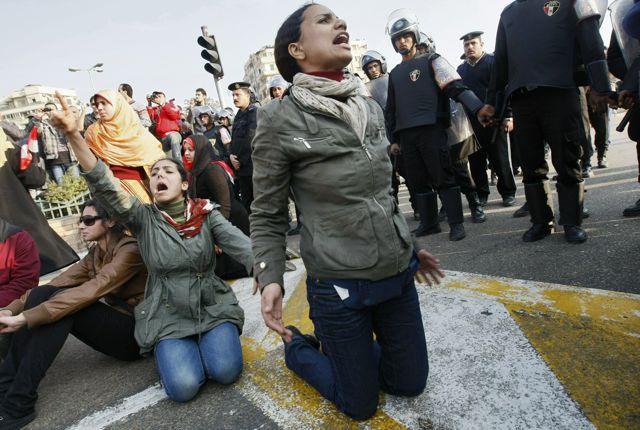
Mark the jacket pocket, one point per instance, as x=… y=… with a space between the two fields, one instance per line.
x=402 y=230
x=142 y=314
x=344 y=240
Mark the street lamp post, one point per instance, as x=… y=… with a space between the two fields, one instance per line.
x=96 y=68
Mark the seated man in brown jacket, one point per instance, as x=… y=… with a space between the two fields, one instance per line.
x=43 y=317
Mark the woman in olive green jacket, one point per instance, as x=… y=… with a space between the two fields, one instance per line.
x=326 y=141
x=189 y=316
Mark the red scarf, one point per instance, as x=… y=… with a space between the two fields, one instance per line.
x=336 y=75
x=196 y=212
x=188 y=143
x=226 y=168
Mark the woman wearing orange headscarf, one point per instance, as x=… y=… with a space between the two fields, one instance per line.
x=123 y=143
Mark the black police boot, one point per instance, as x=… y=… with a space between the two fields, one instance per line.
x=633 y=210
x=571 y=202
x=477 y=214
x=427 y=204
x=541 y=210
x=452 y=203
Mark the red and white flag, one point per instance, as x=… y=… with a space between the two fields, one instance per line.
x=27 y=148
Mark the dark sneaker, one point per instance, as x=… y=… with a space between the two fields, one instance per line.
x=522 y=212
x=602 y=163
x=483 y=200
x=537 y=232
x=456 y=232
x=574 y=234
x=633 y=210
x=425 y=231
x=585 y=213
x=508 y=201
x=7 y=422
x=308 y=338
x=478 y=215
x=587 y=172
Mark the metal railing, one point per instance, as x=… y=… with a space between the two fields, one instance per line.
x=55 y=210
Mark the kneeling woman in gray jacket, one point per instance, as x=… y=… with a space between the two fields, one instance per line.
x=326 y=141
x=189 y=316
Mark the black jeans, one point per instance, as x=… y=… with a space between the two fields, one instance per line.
x=496 y=151
x=551 y=115
x=426 y=158
x=33 y=350
x=245 y=189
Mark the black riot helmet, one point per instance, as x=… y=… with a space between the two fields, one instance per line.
x=370 y=57
x=402 y=21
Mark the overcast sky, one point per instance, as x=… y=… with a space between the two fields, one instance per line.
x=152 y=44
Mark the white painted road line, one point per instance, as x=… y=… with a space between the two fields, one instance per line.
x=128 y=406
x=483 y=372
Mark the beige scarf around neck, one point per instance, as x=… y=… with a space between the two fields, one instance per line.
x=317 y=94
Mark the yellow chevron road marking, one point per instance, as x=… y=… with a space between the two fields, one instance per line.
x=589 y=338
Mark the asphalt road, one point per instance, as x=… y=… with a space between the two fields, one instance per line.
x=84 y=383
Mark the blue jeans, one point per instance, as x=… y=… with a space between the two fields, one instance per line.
x=171 y=145
x=352 y=368
x=184 y=364
x=57 y=171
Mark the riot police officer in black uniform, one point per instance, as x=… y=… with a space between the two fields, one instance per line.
x=417 y=116
x=375 y=67
x=244 y=128
x=623 y=58
x=476 y=74
x=534 y=59
x=462 y=143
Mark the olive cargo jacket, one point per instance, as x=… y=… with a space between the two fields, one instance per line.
x=352 y=227
x=183 y=296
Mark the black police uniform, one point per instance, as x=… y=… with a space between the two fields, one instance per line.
x=242 y=133
x=630 y=77
x=493 y=141
x=534 y=59
x=417 y=116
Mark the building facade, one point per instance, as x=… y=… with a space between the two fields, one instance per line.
x=261 y=67
x=22 y=103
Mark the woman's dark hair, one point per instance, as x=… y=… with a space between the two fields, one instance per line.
x=103 y=214
x=183 y=173
x=289 y=32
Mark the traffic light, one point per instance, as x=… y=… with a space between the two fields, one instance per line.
x=210 y=53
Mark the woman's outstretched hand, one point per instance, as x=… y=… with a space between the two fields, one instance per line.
x=64 y=120
x=428 y=269
x=271 y=306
